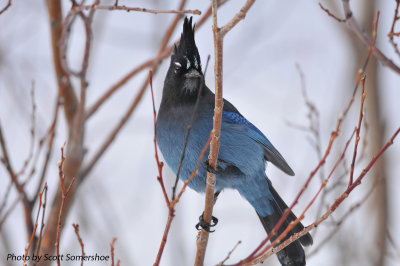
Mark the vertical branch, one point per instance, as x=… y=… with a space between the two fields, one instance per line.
x=76 y=228
x=218 y=34
x=42 y=222
x=44 y=191
x=392 y=32
x=64 y=193
x=202 y=238
x=70 y=101
x=112 y=252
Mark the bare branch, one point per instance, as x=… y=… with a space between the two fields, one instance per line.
x=6 y=7
x=44 y=191
x=218 y=34
x=112 y=252
x=362 y=35
x=392 y=34
x=238 y=17
x=64 y=192
x=80 y=8
x=330 y=14
x=229 y=253
x=64 y=85
x=333 y=207
x=76 y=228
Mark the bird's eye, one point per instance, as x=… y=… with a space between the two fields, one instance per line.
x=178 y=66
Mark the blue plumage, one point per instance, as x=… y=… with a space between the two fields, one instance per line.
x=244 y=149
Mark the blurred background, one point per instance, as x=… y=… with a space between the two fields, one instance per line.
x=122 y=198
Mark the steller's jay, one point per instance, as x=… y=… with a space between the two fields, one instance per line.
x=244 y=149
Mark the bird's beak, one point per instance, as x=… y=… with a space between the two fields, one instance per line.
x=192 y=74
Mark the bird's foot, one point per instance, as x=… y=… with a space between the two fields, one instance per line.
x=206 y=226
x=210 y=169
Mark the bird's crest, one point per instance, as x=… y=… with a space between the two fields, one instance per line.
x=186 y=53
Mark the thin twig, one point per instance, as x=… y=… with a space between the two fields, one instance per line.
x=44 y=191
x=76 y=228
x=159 y=164
x=64 y=192
x=5 y=7
x=39 y=239
x=229 y=253
x=330 y=14
x=80 y=8
x=392 y=34
x=112 y=251
x=362 y=35
x=358 y=128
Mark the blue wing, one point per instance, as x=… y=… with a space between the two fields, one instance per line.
x=270 y=153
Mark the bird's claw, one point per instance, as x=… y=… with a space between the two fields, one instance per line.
x=209 y=168
x=206 y=226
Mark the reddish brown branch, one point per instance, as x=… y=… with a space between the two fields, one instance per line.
x=218 y=34
x=39 y=239
x=330 y=13
x=112 y=252
x=363 y=36
x=76 y=229
x=357 y=129
x=159 y=164
x=229 y=253
x=44 y=191
x=5 y=7
x=392 y=34
x=80 y=8
x=64 y=192
x=64 y=85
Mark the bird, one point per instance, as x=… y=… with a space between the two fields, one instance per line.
x=244 y=150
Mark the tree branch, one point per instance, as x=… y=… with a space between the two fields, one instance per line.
x=202 y=238
x=64 y=85
x=363 y=36
x=80 y=8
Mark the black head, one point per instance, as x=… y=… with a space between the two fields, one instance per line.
x=184 y=77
